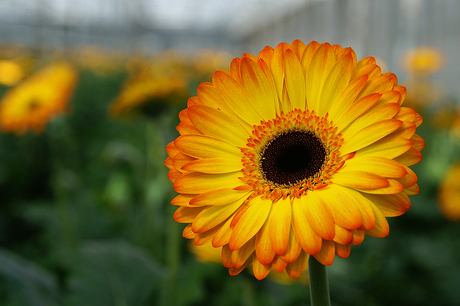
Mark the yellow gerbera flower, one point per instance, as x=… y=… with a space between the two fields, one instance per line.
x=10 y=72
x=41 y=97
x=449 y=194
x=299 y=151
x=148 y=93
x=423 y=61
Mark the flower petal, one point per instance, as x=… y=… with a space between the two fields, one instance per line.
x=201 y=146
x=250 y=222
x=343 y=210
x=213 y=165
x=258 y=89
x=369 y=135
x=295 y=81
x=308 y=238
x=318 y=215
x=359 y=179
x=216 y=123
x=280 y=225
x=197 y=182
x=380 y=166
x=264 y=250
x=327 y=254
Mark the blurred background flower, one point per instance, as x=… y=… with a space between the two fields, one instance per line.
x=85 y=217
x=41 y=97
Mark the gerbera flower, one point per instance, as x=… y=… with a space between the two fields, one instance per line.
x=299 y=151
x=41 y=97
x=449 y=194
x=10 y=72
x=423 y=61
x=148 y=95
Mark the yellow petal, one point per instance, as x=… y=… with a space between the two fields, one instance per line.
x=280 y=225
x=378 y=84
x=343 y=209
x=214 y=215
x=201 y=146
x=250 y=222
x=279 y=264
x=213 y=165
x=264 y=250
x=412 y=190
x=241 y=255
x=293 y=248
x=335 y=83
x=187 y=214
x=381 y=228
x=373 y=115
x=380 y=166
x=342 y=250
x=296 y=268
x=235 y=97
x=321 y=64
x=205 y=237
x=309 y=240
x=354 y=110
x=392 y=188
x=215 y=123
x=218 y=196
x=369 y=135
x=359 y=179
x=197 y=182
x=342 y=236
x=183 y=200
x=210 y=95
x=258 y=89
x=389 y=147
x=295 y=81
x=409 y=158
x=358 y=236
x=318 y=215
x=260 y=271
x=363 y=205
x=391 y=205
x=327 y=254
x=346 y=99
x=222 y=236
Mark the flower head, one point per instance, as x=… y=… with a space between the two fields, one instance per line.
x=299 y=151
x=449 y=194
x=41 y=97
x=10 y=72
x=423 y=61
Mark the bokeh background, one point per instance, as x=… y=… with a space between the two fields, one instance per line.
x=85 y=213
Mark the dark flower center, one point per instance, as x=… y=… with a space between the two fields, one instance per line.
x=292 y=157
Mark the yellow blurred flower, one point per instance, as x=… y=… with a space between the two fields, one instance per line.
x=39 y=98
x=449 y=194
x=206 y=253
x=98 y=60
x=148 y=94
x=10 y=72
x=423 y=61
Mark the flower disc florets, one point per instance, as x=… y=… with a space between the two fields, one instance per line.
x=291 y=154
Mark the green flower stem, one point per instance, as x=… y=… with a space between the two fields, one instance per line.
x=319 y=286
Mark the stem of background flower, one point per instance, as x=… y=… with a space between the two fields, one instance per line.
x=319 y=286
x=60 y=145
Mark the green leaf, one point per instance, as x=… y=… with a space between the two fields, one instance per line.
x=29 y=284
x=114 y=273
